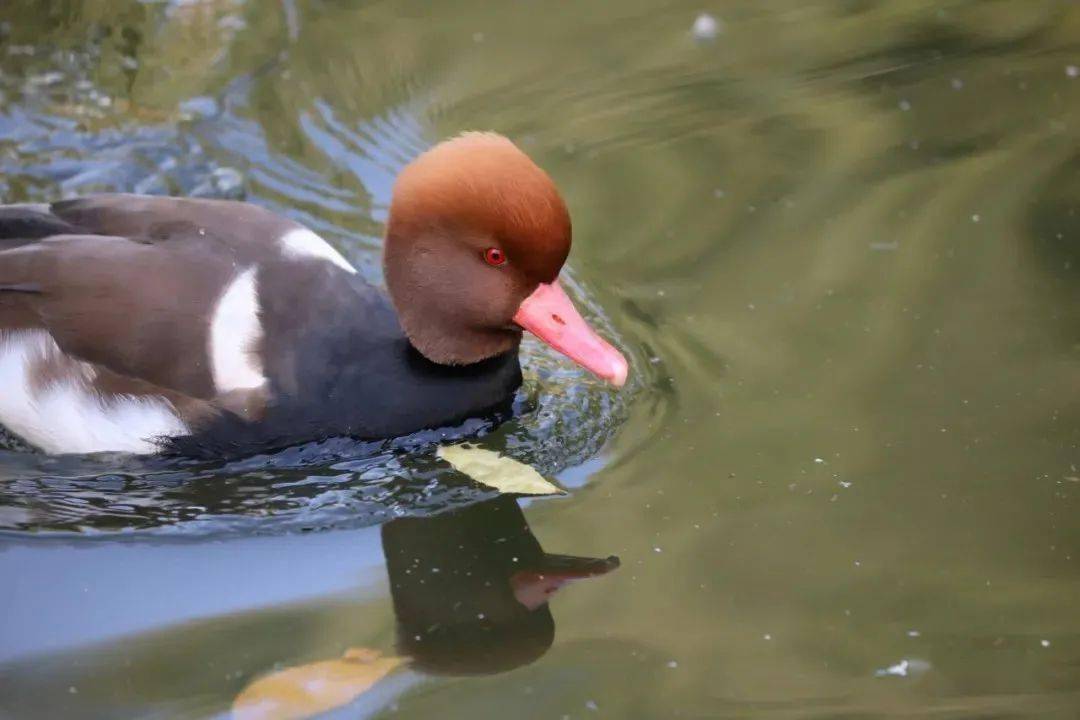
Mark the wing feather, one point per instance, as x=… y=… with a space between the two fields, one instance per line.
x=129 y=282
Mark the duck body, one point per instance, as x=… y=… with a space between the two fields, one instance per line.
x=354 y=373
x=136 y=323
x=216 y=328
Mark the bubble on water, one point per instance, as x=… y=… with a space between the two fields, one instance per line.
x=976 y=218
x=1072 y=71
x=223 y=183
x=227 y=179
x=900 y=670
x=957 y=84
x=591 y=705
x=907 y=667
x=233 y=23
x=904 y=105
x=706 y=27
x=202 y=106
x=44 y=80
x=672 y=664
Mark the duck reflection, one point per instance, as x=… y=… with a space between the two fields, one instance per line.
x=471 y=588
x=470 y=591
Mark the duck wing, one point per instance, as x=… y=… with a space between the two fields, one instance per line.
x=149 y=295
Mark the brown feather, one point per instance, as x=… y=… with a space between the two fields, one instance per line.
x=482 y=183
x=132 y=292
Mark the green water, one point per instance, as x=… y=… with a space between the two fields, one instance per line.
x=839 y=241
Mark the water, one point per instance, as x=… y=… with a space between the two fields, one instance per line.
x=838 y=239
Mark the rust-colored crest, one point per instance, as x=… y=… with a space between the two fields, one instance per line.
x=482 y=185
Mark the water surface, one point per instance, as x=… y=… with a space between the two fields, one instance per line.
x=839 y=241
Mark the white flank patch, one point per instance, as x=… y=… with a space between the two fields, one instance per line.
x=68 y=416
x=235 y=331
x=304 y=243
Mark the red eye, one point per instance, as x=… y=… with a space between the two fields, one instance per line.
x=494 y=257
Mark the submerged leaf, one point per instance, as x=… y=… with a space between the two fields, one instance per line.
x=308 y=690
x=502 y=473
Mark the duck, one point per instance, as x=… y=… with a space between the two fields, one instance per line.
x=217 y=328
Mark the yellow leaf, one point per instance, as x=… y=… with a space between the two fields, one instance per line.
x=308 y=690
x=497 y=471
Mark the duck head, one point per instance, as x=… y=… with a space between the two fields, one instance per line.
x=475 y=241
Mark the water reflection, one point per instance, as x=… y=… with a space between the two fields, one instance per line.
x=471 y=588
x=468 y=594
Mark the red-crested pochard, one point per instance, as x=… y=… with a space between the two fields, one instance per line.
x=139 y=324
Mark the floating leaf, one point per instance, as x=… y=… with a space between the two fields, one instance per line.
x=502 y=473
x=308 y=690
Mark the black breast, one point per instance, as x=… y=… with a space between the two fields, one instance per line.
x=339 y=365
